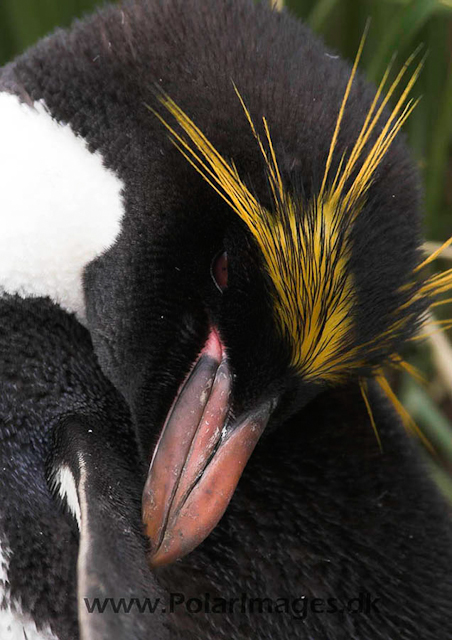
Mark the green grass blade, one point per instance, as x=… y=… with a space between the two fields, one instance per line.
x=399 y=33
x=320 y=13
x=434 y=424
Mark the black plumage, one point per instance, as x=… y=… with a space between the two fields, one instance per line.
x=179 y=46
x=320 y=511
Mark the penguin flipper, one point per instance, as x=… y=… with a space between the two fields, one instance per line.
x=64 y=427
x=116 y=592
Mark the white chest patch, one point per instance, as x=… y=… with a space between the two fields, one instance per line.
x=14 y=624
x=60 y=207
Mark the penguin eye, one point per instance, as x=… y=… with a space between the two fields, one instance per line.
x=219 y=270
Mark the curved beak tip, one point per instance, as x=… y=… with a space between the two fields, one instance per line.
x=197 y=462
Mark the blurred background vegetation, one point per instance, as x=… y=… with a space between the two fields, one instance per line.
x=397 y=26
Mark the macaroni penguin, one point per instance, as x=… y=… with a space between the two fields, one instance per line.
x=209 y=250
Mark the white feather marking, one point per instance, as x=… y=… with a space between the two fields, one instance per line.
x=60 y=207
x=66 y=487
x=14 y=624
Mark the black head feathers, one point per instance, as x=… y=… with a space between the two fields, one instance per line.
x=241 y=290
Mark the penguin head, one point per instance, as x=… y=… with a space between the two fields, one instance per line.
x=263 y=275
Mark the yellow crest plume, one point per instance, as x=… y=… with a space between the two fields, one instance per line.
x=306 y=248
x=305 y=253
x=305 y=258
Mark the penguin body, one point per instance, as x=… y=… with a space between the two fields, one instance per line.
x=131 y=245
x=320 y=521
x=56 y=408
x=69 y=213
x=195 y=51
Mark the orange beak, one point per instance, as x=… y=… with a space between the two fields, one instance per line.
x=199 y=458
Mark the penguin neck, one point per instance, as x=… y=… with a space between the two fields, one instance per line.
x=61 y=207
